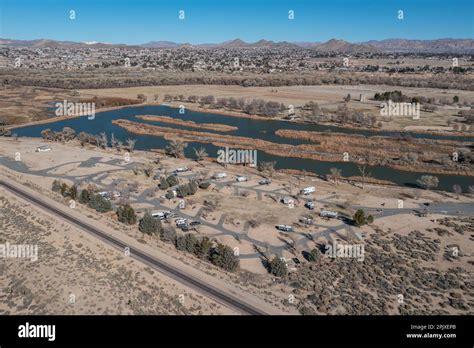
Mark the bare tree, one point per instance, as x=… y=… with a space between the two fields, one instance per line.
x=200 y=154
x=148 y=170
x=428 y=182
x=335 y=175
x=131 y=144
x=268 y=168
x=364 y=174
x=119 y=145
x=176 y=148
x=113 y=141
x=457 y=189
x=103 y=142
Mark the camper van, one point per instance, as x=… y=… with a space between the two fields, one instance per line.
x=308 y=190
x=328 y=214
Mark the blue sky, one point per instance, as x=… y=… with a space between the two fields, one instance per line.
x=140 y=21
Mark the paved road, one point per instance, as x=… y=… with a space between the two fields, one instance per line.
x=168 y=269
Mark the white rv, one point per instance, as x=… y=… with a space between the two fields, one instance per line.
x=220 y=175
x=329 y=214
x=308 y=190
x=181 y=169
x=43 y=148
x=160 y=214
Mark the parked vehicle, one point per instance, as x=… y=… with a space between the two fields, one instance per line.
x=329 y=214
x=308 y=190
x=220 y=175
x=161 y=214
x=309 y=205
x=265 y=182
x=169 y=214
x=106 y=195
x=241 y=178
x=181 y=169
x=195 y=223
x=180 y=220
x=287 y=200
x=284 y=228
x=306 y=220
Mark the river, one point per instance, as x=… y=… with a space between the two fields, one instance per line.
x=251 y=128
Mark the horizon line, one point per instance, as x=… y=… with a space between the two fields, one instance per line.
x=234 y=39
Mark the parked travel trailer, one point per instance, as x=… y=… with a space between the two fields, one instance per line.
x=284 y=228
x=306 y=221
x=265 y=182
x=161 y=214
x=43 y=148
x=220 y=175
x=182 y=169
x=329 y=214
x=308 y=190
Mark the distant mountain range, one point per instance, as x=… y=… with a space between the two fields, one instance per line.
x=332 y=46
